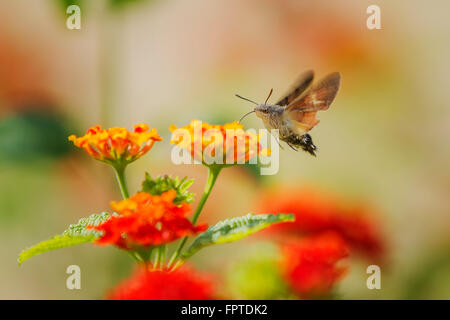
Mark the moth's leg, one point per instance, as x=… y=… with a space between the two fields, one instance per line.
x=280 y=144
x=291 y=146
x=278 y=141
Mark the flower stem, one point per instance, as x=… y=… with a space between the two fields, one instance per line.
x=136 y=257
x=157 y=258
x=213 y=173
x=120 y=175
x=162 y=256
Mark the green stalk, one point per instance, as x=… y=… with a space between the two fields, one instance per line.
x=213 y=173
x=120 y=175
x=157 y=258
x=135 y=256
x=162 y=256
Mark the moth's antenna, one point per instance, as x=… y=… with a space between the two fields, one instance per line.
x=245 y=99
x=245 y=115
x=270 y=93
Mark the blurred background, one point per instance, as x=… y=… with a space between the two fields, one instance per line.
x=383 y=143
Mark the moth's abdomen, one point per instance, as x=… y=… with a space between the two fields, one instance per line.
x=302 y=141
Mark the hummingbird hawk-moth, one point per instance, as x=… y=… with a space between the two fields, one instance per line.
x=295 y=114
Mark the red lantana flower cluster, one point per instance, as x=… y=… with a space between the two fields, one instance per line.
x=325 y=231
x=145 y=220
x=317 y=212
x=181 y=284
x=311 y=264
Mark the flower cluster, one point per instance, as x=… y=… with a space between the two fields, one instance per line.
x=181 y=284
x=223 y=144
x=317 y=212
x=313 y=247
x=117 y=146
x=145 y=220
x=310 y=265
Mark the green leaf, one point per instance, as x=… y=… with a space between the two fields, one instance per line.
x=165 y=183
x=75 y=234
x=235 y=229
x=33 y=135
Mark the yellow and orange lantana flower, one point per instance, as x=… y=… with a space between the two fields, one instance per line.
x=145 y=220
x=117 y=145
x=224 y=144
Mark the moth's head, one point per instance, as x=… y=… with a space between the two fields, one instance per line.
x=262 y=110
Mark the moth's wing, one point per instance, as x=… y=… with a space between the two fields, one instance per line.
x=303 y=122
x=299 y=86
x=303 y=111
x=320 y=96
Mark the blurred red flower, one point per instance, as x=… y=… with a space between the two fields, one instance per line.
x=181 y=284
x=146 y=219
x=310 y=265
x=317 y=212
